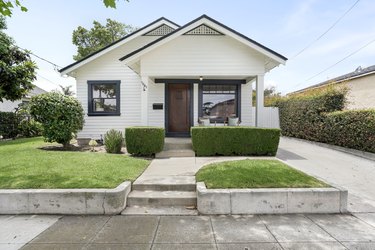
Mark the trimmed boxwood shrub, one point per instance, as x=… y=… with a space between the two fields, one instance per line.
x=210 y=141
x=9 y=122
x=144 y=141
x=352 y=128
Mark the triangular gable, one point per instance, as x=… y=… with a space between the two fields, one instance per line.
x=162 y=30
x=213 y=24
x=203 y=30
x=144 y=30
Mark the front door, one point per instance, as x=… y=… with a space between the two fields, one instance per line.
x=179 y=118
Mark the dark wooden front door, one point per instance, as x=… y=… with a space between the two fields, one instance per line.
x=178 y=109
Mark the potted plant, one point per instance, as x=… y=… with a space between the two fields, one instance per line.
x=233 y=121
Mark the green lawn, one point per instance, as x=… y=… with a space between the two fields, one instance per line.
x=255 y=174
x=23 y=165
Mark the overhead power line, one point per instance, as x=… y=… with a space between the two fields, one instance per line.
x=333 y=65
x=55 y=66
x=325 y=32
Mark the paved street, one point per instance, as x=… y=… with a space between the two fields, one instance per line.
x=214 y=232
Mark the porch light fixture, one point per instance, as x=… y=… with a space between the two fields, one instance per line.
x=201 y=78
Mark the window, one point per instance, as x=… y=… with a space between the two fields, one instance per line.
x=219 y=101
x=103 y=98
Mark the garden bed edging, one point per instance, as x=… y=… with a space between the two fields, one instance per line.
x=271 y=200
x=64 y=201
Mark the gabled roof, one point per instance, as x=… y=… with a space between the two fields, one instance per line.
x=359 y=72
x=117 y=43
x=187 y=27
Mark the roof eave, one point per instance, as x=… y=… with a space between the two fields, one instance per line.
x=71 y=67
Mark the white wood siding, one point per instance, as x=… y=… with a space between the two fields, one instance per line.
x=155 y=95
x=216 y=56
x=246 y=104
x=196 y=108
x=108 y=67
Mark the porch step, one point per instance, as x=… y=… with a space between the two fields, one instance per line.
x=165 y=183
x=177 y=144
x=175 y=153
x=162 y=198
x=161 y=210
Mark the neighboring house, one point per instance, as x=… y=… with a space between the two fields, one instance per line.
x=9 y=106
x=167 y=75
x=360 y=84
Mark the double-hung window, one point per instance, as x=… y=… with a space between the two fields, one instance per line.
x=103 y=98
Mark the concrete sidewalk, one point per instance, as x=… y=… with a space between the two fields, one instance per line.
x=209 y=232
x=354 y=173
x=16 y=231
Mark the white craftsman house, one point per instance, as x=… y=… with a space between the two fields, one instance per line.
x=170 y=76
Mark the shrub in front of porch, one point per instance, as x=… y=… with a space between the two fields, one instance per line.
x=144 y=141
x=227 y=141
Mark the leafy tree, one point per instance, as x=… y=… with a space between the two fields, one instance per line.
x=66 y=90
x=111 y=3
x=89 y=41
x=61 y=116
x=270 y=96
x=17 y=71
x=7 y=6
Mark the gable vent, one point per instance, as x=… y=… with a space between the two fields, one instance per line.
x=160 y=31
x=203 y=30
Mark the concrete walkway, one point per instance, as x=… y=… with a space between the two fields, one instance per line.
x=209 y=232
x=351 y=172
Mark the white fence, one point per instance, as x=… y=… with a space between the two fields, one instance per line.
x=269 y=117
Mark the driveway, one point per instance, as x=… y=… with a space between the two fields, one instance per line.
x=351 y=172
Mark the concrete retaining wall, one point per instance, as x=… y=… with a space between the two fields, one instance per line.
x=271 y=200
x=64 y=201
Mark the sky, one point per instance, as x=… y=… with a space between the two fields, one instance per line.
x=285 y=26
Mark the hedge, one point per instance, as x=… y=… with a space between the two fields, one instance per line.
x=318 y=116
x=144 y=141
x=9 y=123
x=352 y=128
x=227 y=141
x=304 y=116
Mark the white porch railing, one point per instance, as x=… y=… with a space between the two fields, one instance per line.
x=269 y=117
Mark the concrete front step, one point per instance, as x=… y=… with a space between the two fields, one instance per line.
x=165 y=183
x=177 y=146
x=161 y=210
x=161 y=198
x=175 y=153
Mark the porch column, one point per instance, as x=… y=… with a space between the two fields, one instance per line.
x=259 y=99
x=144 y=101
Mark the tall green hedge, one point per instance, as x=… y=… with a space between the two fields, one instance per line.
x=303 y=116
x=319 y=117
x=352 y=128
x=144 y=141
x=210 y=141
